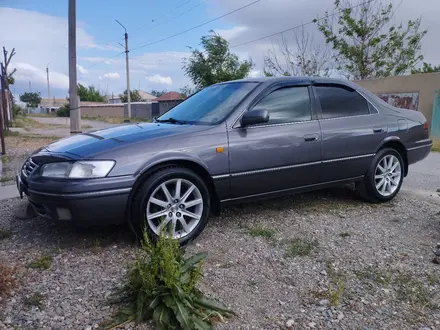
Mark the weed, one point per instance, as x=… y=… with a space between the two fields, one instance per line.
x=411 y=290
x=11 y=133
x=34 y=300
x=43 y=262
x=86 y=126
x=345 y=234
x=298 y=247
x=7 y=280
x=335 y=296
x=435 y=145
x=97 y=247
x=161 y=285
x=4 y=233
x=374 y=274
x=433 y=279
x=252 y=283
x=262 y=232
x=6 y=178
x=5 y=159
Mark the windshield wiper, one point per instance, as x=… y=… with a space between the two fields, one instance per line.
x=172 y=121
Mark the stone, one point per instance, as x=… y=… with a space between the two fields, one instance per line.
x=340 y=316
x=290 y=323
x=324 y=302
x=311 y=324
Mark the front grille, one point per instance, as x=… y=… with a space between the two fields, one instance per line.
x=29 y=167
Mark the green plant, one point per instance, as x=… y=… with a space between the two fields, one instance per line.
x=7 y=279
x=161 y=285
x=262 y=232
x=435 y=145
x=5 y=159
x=335 y=293
x=63 y=111
x=345 y=234
x=18 y=111
x=298 y=247
x=6 y=178
x=43 y=262
x=36 y=300
x=5 y=234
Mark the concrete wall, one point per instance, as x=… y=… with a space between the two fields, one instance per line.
x=164 y=106
x=144 y=110
x=103 y=110
x=425 y=84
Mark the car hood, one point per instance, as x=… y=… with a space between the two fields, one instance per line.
x=87 y=145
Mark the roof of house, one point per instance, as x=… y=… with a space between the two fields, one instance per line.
x=170 y=96
x=146 y=96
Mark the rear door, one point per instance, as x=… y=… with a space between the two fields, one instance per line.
x=281 y=154
x=351 y=131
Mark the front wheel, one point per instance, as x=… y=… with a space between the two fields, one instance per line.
x=173 y=201
x=384 y=178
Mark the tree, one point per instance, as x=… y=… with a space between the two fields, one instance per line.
x=297 y=57
x=365 y=42
x=32 y=100
x=158 y=93
x=134 y=96
x=426 y=68
x=90 y=94
x=7 y=59
x=187 y=91
x=215 y=64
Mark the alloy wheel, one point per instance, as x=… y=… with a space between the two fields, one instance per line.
x=387 y=175
x=175 y=208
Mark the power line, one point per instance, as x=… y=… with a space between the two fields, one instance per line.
x=179 y=15
x=299 y=26
x=168 y=12
x=197 y=26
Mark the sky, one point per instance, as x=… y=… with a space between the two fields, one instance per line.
x=38 y=30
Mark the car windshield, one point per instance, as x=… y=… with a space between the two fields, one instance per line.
x=210 y=106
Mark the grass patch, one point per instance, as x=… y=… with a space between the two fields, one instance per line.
x=262 y=232
x=97 y=246
x=86 y=126
x=43 y=262
x=4 y=233
x=34 y=300
x=344 y=234
x=5 y=159
x=115 y=120
x=11 y=133
x=374 y=274
x=435 y=145
x=298 y=247
x=6 y=178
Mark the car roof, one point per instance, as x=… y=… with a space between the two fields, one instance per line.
x=290 y=79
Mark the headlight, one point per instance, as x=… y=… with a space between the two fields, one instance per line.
x=78 y=170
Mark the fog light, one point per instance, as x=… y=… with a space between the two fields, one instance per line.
x=64 y=214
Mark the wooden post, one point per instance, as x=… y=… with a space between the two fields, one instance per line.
x=2 y=115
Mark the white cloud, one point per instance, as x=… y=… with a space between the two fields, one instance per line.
x=231 y=34
x=110 y=75
x=81 y=69
x=158 y=79
x=27 y=72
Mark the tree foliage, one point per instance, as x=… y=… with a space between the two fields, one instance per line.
x=187 y=91
x=367 y=44
x=90 y=94
x=158 y=93
x=134 y=96
x=10 y=80
x=426 y=68
x=32 y=100
x=297 y=56
x=215 y=63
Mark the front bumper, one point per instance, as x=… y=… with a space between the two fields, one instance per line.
x=81 y=202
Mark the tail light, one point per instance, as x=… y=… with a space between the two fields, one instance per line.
x=425 y=125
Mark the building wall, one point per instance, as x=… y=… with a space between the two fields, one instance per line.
x=424 y=84
x=103 y=111
x=164 y=106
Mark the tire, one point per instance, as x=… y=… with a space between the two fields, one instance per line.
x=372 y=188
x=153 y=204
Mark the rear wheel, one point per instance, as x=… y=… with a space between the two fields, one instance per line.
x=174 y=201
x=384 y=178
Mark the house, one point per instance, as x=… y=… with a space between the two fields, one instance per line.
x=51 y=105
x=146 y=97
x=168 y=101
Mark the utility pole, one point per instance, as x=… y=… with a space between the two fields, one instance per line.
x=30 y=87
x=127 y=69
x=75 y=111
x=2 y=117
x=48 y=87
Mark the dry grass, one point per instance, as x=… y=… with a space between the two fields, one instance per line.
x=435 y=145
x=7 y=280
x=114 y=120
x=28 y=142
x=29 y=123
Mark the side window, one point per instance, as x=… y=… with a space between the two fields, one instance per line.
x=286 y=105
x=341 y=102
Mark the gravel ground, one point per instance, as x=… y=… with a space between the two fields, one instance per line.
x=315 y=261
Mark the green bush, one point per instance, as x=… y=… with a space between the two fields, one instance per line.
x=161 y=285
x=18 y=111
x=63 y=111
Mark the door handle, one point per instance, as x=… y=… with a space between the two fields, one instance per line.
x=377 y=130
x=311 y=137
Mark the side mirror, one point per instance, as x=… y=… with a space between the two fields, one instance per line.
x=254 y=117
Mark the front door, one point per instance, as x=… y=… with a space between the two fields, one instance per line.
x=281 y=154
